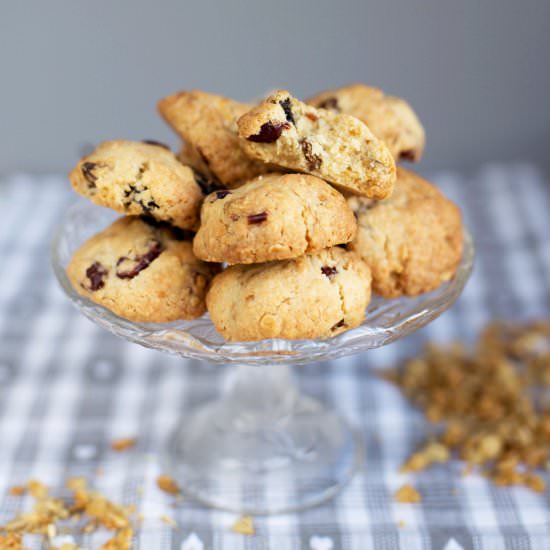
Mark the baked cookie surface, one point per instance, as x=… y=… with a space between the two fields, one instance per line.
x=314 y=296
x=142 y=271
x=412 y=241
x=136 y=178
x=207 y=124
x=273 y=217
x=335 y=147
x=390 y=118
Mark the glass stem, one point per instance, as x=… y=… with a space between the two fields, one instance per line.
x=259 y=397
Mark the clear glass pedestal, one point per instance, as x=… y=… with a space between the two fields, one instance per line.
x=262 y=447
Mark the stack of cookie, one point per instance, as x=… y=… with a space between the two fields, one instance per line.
x=279 y=218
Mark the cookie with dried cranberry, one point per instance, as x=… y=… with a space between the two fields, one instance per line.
x=136 y=178
x=335 y=147
x=143 y=271
x=390 y=118
x=412 y=241
x=314 y=296
x=273 y=217
x=207 y=124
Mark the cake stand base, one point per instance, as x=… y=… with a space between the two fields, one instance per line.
x=262 y=448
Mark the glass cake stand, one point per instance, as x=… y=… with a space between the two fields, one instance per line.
x=262 y=447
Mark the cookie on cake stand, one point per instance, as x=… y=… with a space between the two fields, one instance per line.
x=262 y=447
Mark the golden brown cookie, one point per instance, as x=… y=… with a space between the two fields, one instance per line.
x=142 y=271
x=390 y=118
x=337 y=148
x=135 y=177
x=207 y=124
x=314 y=296
x=413 y=241
x=273 y=217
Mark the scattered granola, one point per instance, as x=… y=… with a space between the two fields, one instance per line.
x=47 y=512
x=168 y=485
x=121 y=541
x=407 y=494
x=123 y=443
x=244 y=526
x=11 y=541
x=491 y=403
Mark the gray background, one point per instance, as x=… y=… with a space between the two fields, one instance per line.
x=76 y=72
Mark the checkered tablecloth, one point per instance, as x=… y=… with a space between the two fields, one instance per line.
x=68 y=388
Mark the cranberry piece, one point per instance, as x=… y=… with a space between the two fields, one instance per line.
x=328 y=271
x=313 y=161
x=157 y=143
x=257 y=218
x=141 y=262
x=285 y=104
x=207 y=185
x=88 y=172
x=409 y=155
x=269 y=132
x=330 y=103
x=96 y=273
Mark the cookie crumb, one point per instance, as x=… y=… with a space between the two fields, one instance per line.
x=244 y=526
x=17 y=490
x=168 y=485
x=407 y=494
x=401 y=524
x=168 y=520
x=123 y=443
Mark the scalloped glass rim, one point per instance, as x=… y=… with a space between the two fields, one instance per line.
x=386 y=320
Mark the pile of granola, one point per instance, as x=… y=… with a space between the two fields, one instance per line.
x=49 y=513
x=491 y=403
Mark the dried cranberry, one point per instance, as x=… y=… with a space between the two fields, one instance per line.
x=142 y=261
x=285 y=104
x=409 y=155
x=269 y=132
x=328 y=271
x=157 y=143
x=313 y=161
x=207 y=185
x=329 y=103
x=340 y=323
x=88 y=173
x=222 y=194
x=96 y=274
x=257 y=218
x=312 y=117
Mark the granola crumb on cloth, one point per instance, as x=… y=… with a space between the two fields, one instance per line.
x=244 y=526
x=407 y=494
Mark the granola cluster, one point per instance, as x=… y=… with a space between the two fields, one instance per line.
x=48 y=513
x=491 y=404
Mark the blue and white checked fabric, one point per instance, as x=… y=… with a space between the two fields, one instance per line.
x=68 y=388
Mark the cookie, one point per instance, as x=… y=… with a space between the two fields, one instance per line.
x=389 y=118
x=413 y=241
x=207 y=124
x=143 y=271
x=274 y=217
x=314 y=296
x=140 y=178
x=335 y=147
